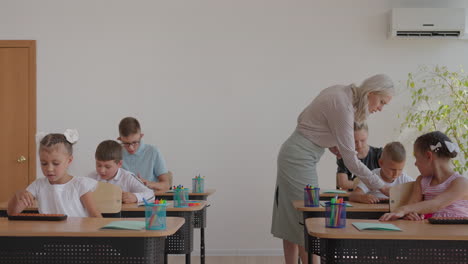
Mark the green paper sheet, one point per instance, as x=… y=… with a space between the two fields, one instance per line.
x=322 y=203
x=376 y=226
x=128 y=225
x=334 y=191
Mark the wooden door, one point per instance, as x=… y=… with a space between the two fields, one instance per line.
x=17 y=115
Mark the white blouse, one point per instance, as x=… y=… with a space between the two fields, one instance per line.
x=62 y=198
x=329 y=121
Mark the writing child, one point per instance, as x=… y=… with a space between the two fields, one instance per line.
x=59 y=192
x=391 y=172
x=145 y=161
x=108 y=169
x=438 y=191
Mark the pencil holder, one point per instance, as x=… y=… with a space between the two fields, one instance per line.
x=155 y=216
x=335 y=215
x=181 y=197
x=311 y=196
x=198 y=185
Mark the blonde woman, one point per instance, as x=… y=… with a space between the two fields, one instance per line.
x=328 y=122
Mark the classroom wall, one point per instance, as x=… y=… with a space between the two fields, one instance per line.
x=217 y=85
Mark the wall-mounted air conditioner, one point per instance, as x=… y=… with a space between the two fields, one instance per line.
x=427 y=22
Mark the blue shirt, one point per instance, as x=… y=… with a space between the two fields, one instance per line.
x=147 y=161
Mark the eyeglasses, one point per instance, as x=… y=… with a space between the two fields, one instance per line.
x=130 y=144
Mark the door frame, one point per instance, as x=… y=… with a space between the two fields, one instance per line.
x=31 y=45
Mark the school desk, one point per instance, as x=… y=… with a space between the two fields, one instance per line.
x=182 y=241
x=418 y=242
x=328 y=196
x=199 y=216
x=179 y=243
x=80 y=240
x=356 y=211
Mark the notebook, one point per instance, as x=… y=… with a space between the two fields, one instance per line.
x=376 y=226
x=335 y=191
x=126 y=225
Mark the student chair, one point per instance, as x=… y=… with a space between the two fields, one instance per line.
x=399 y=195
x=108 y=198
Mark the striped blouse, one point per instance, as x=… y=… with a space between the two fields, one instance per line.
x=456 y=209
x=329 y=121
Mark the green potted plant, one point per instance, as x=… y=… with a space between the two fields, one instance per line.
x=439 y=101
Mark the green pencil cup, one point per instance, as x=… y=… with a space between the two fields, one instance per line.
x=155 y=216
x=181 y=197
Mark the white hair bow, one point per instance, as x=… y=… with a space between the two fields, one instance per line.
x=452 y=147
x=436 y=147
x=71 y=135
x=40 y=135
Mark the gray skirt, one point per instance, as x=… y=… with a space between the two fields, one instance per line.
x=297 y=167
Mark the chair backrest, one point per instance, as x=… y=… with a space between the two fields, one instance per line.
x=399 y=195
x=108 y=198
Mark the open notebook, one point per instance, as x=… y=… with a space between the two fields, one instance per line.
x=128 y=225
x=376 y=226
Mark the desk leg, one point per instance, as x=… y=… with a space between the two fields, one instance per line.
x=165 y=258
x=187 y=258
x=202 y=245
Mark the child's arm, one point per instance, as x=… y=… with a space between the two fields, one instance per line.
x=343 y=182
x=136 y=191
x=456 y=191
x=358 y=195
x=416 y=194
x=19 y=202
x=162 y=185
x=88 y=203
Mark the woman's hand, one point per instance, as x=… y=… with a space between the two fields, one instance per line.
x=335 y=152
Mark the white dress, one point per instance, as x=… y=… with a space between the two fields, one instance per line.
x=62 y=198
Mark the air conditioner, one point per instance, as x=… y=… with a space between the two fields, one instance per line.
x=427 y=22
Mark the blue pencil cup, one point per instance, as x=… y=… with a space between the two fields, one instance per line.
x=155 y=216
x=311 y=197
x=181 y=197
x=335 y=215
x=198 y=185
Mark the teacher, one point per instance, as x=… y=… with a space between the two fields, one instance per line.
x=328 y=122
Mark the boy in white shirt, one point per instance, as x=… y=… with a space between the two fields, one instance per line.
x=391 y=172
x=108 y=169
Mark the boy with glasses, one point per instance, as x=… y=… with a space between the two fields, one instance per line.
x=146 y=161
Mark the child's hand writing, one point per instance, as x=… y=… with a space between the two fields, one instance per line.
x=391 y=216
x=25 y=198
x=413 y=217
x=128 y=197
x=370 y=199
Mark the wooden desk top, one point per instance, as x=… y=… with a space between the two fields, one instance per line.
x=356 y=207
x=420 y=230
x=82 y=227
x=141 y=208
x=207 y=192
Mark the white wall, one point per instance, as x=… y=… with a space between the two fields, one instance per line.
x=217 y=85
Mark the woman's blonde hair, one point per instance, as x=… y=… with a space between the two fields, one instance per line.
x=378 y=84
